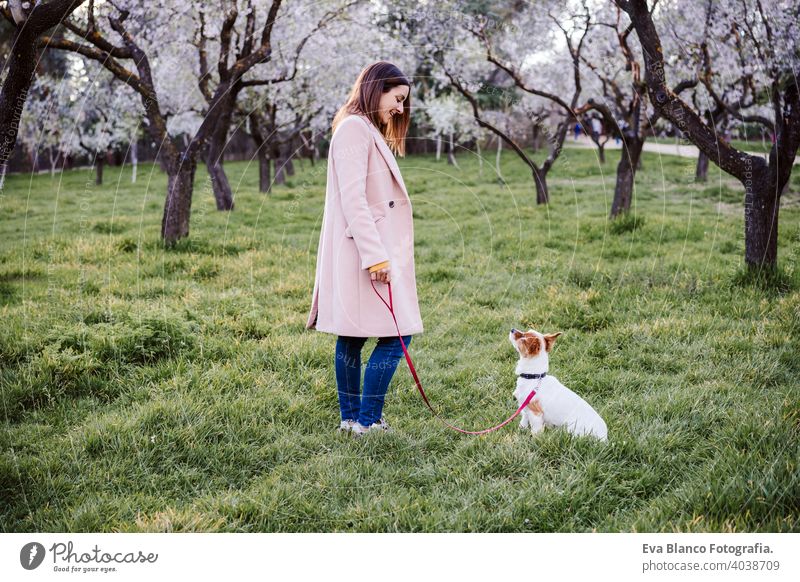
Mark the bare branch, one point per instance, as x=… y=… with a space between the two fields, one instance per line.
x=202 y=55
x=483 y=123
x=106 y=60
x=91 y=35
x=225 y=42
x=266 y=33
x=249 y=31
x=481 y=34
x=46 y=15
x=326 y=18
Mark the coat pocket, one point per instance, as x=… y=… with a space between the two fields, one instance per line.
x=349 y=234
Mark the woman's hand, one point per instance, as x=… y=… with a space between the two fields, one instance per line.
x=382 y=275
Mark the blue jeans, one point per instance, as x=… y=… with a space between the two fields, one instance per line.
x=366 y=408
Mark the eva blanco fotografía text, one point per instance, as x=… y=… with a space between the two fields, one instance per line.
x=736 y=550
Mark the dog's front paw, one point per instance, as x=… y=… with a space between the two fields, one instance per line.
x=537 y=428
x=523 y=422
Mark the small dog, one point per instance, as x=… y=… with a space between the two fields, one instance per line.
x=554 y=403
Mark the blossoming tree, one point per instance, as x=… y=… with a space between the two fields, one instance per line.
x=768 y=34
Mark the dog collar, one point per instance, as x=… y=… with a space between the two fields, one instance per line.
x=533 y=376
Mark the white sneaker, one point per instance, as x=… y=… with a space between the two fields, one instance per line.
x=381 y=425
x=346 y=425
x=358 y=429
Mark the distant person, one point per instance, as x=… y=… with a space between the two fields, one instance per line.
x=577 y=131
x=597 y=128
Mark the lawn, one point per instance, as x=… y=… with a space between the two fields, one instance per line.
x=152 y=390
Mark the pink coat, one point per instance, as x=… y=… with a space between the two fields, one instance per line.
x=367 y=220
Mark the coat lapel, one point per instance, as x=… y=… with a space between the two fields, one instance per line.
x=387 y=154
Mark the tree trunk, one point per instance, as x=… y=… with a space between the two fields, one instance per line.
x=99 y=163
x=497 y=157
x=264 y=177
x=761 y=205
x=451 y=154
x=542 y=192
x=309 y=147
x=701 y=172
x=178 y=205
x=601 y=153
x=288 y=154
x=258 y=130
x=21 y=67
x=280 y=174
x=536 y=142
x=214 y=162
x=31 y=20
x=134 y=160
x=223 y=195
x=626 y=173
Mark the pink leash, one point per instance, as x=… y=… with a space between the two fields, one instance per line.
x=390 y=306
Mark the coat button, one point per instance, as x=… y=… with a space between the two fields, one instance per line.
x=391 y=204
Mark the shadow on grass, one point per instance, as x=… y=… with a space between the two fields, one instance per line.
x=772 y=280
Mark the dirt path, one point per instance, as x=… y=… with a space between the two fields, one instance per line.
x=685 y=151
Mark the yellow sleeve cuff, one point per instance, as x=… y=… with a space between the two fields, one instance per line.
x=379 y=266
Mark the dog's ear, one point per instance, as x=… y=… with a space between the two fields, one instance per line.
x=531 y=346
x=549 y=339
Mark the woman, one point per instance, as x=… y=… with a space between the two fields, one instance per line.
x=367 y=238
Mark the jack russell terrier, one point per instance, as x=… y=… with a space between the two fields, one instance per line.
x=554 y=403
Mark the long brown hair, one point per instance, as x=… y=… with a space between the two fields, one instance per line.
x=365 y=96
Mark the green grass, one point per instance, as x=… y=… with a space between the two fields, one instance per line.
x=152 y=390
